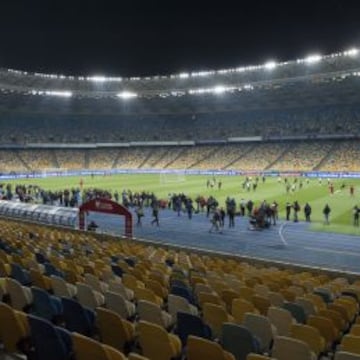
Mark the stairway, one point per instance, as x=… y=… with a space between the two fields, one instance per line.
x=326 y=157
x=238 y=158
x=17 y=154
x=278 y=158
x=204 y=158
x=175 y=158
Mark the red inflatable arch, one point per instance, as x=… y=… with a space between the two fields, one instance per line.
x=106 y=206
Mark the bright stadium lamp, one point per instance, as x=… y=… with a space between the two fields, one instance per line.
x=351 y=52
x=96 y=78
x=270 y=65
x=219 y=89
x=312 y=59
x=126 y=95
x=184 y=75
x=58 y=93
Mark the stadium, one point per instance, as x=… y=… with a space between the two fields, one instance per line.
x=197 y=215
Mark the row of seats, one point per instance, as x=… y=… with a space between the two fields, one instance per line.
x=158 y=294
x=297 y=156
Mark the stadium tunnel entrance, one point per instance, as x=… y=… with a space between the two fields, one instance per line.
x=106 y=206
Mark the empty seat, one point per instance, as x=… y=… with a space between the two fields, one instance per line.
x=114 y=330
x=120 y=305
x=281 y=319
x=286 y=347
x=200 y=348
x=49 y=342
x=239 y=341
x=151 y=312
x=188 y=324
x=156 y=343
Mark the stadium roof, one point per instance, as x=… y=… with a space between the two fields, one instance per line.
x=314 y=80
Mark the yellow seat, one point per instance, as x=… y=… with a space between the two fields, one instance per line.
x=336 y=318
x=326 y=328
x=261 y=303
x=113 y=354
x=215 y=315
x=157 y=288
x=114 y=330
x=309 y=335
x=257 y=357
x=246 y=293
x=14 y=327
x=240 y=307
x=228 y=296
x=148 y=295
x=199 y=348
x=131 y=282
x=40 y=280
x=134 y=356
x=351 y=344
x=204 y=297
x=156 y=343
x=86 y=348
x=355 y=330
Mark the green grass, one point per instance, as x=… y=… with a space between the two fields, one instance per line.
x=317 y=195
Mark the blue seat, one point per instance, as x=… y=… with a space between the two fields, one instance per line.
x=131 y=262
x=20 y=274
x=49 y=342
x=40 y=258
x=78 y=318
x=184 y=292
x=325 y=295
x=297 y=311
x=179 y=283
x=117 y=270
x=50 y=269
x=239 y=341
x=45 y=305
x=188 y=324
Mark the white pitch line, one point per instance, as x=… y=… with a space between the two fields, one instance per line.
x=333 y=251
x=281 y=234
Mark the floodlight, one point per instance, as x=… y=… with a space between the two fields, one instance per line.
x=270 y=65
x=96 y=78
x=351 y=52
x=126 y=95
x=312 y=59
x=219 y=89
x=57 y=93
x=184 y=75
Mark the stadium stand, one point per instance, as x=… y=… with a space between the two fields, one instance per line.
x=155 y=272
x=68 y=290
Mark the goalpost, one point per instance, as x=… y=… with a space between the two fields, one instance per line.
x=54 y=172
x=176 y=176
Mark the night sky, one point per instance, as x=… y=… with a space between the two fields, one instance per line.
x=137 y=38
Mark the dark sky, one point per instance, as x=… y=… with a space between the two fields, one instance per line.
x=130 y=37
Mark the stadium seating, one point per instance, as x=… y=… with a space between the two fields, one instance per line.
x=322 y=320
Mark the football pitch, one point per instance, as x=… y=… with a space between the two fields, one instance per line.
x=273 y=189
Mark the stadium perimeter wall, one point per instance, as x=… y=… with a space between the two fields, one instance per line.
x=87 y=172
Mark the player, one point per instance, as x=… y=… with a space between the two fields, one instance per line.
x=81 y=183
x=352 y=190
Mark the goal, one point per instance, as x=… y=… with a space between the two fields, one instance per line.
x=175 y=176
x=46 y=172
